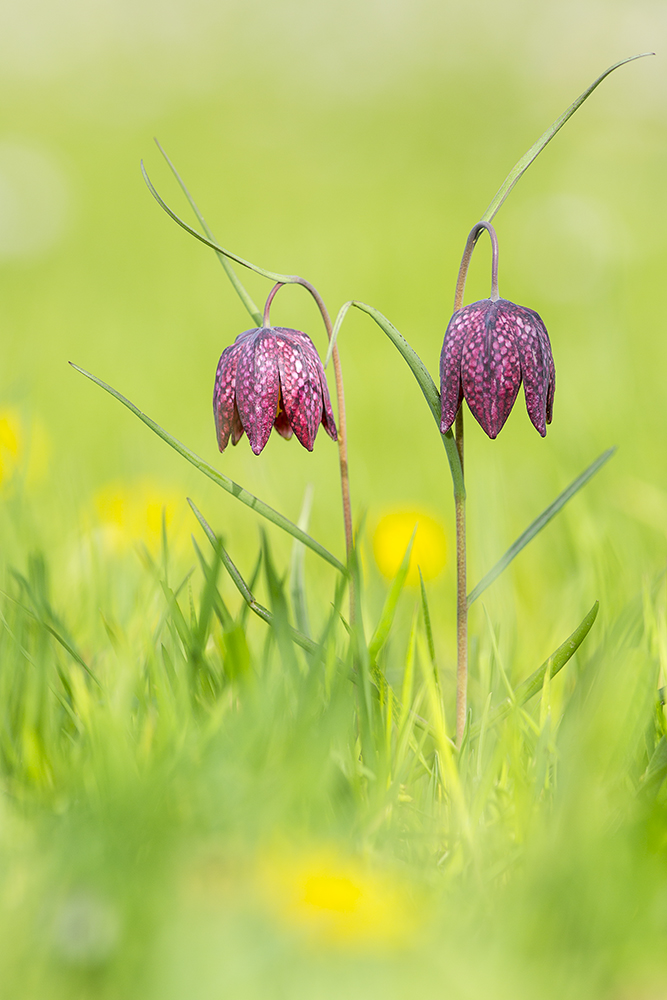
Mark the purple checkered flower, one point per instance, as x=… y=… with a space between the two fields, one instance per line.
x=489 y=348
x=271 y=377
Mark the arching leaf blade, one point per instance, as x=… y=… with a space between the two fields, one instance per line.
x=425 y=383
x=522 y=165
x=238 y=285
x=533 y=684
x=224 y=482
x=540 y=522
x=271 y=275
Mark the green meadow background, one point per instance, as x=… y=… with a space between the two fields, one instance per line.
x=354 y=144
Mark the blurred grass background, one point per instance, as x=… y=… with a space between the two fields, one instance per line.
x=355 y=144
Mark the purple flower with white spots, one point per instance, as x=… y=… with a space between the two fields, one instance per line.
x=489 y=348
x=271 y=377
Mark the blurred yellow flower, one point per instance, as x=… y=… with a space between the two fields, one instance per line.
x=128 y=514
x=339 y=901
x=429 y=550
x=10 y=443
x=22 y=446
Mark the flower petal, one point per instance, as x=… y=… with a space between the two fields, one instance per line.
x=532 y=341
x=490 y=366
x=327 y=413
x=281 y=423
x=552 y=387
x=237 y=426
x=451 y=389
x=258 y=386
x=300 y=383
x=317 y=366
x=224 y=394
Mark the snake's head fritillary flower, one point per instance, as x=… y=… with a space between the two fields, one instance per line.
x=271 y=377
x=489 y=348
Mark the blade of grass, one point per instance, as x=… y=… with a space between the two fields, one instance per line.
x=522 y=165
x=218 y=606
x=533 y=684
x=383 y=626
x=428 y=629
x=42 y=613
x=366 y=715
x=271 y=275
x=298 y=568
x=254 y=577
x=540 y=522
x=240 y=289
x=242 y=587
x=226 y=484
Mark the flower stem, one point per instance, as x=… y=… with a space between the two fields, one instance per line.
x=461 y=596
x=473 y=236
x=266 y=321
x=340 y=396
x=460 y=496
x=342 y=422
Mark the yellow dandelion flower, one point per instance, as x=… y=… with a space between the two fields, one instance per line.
x=339 y=902
x=10 y=444
x=429 y=550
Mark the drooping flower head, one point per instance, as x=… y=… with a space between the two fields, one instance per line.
x=271 y=377
x=490 y=347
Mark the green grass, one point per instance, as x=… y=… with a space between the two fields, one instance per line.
x=197 y=802
x=194 y=805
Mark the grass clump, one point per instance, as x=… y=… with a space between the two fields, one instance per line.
x=195 y=804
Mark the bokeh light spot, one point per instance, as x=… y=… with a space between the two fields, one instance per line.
x=10 y=443
x=134 y=513
x=391 y=538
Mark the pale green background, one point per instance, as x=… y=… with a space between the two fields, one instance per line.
x=355 y=144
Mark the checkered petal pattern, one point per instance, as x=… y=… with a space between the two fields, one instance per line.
x=271 y=377
x=490 y=347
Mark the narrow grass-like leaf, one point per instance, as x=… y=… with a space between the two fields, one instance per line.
x=206 y=606
x=656 y=772
x=540 y=522
x=254 y=577
x=240 y=289
x=298 y=568
x=363 y=668
x=383 y=626
x=280 y=627
x=533 y=684
x=226 y=484
x=242 y=587
x=271 y=275
x=428 y=629
x=425 y=383
x=520 y=168
x=43 y=613
x=218 y=606
x=408 y=677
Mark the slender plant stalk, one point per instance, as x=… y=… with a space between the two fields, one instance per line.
x=340 y=396
x=461 y=595
x=460 y=495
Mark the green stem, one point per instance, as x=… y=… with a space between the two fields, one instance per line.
x=460 y=495
x=461 y=596
x=471 y=242
x=340 y=396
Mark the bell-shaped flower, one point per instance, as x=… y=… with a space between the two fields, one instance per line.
x=271 y=377
x=489 y=348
